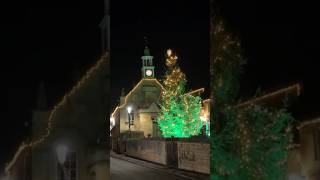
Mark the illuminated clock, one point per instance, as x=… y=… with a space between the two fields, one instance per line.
x=149 y=72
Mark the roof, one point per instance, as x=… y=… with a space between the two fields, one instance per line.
x=133 y=90
x=294 y=90
x=194 y=92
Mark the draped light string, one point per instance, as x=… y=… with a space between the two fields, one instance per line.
x=139 y=83
x=295 y=88
x=306 y=123
x=133 y=90
x=179 y=114
x=74 y=89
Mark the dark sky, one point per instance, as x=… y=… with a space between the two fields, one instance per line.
x=180 y=25
x=281 y=43
x=42 y=41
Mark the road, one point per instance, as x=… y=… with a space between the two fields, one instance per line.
x=124 y=170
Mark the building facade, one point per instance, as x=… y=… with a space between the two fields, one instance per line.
x=70 y=140
x=136 y=115
x=304 y=157
x=137 y=111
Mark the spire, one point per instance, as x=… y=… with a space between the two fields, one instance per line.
x=146 y=49
x=41 y=97
x=147 y=63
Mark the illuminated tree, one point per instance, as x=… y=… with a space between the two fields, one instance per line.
x=248 y=142
x=179 y=115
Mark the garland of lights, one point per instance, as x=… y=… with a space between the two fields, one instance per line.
x=132 y=91
x=179 y=114
x=201 y=90
x=75 y=88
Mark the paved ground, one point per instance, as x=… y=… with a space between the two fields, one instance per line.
x=124 y=170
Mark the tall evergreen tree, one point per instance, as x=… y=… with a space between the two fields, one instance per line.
x=179 y=116
x=247 y=143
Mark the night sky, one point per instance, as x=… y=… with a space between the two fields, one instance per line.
x=180 y=25
x=56 y=42
x=281 y=42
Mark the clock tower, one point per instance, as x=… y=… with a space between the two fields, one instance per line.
x=147 y=64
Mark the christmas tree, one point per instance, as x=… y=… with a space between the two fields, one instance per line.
x=247 y=143
x=179 y=115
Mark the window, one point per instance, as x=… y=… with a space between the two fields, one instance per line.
x=316 y=142
x=68 y=171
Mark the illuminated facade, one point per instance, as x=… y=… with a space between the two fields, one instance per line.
x=137 y=112
x=142 y=101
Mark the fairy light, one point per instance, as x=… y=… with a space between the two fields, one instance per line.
x=201 y=90
x=295 y=88
x=306 y=123
x=180 y=111
x=42 y=138
x=133 y=90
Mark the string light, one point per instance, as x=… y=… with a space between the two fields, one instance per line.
x=306 y=123
x=201 y=90
x=133 y=90
x=295 y=88
x=42 y=138
x=179 y=111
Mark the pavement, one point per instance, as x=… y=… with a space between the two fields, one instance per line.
x=126 y=168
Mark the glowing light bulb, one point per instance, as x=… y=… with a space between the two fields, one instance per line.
x=169 y=52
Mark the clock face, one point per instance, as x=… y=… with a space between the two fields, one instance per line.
x=149 y=72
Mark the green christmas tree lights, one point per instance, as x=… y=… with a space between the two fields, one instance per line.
x=179 y=115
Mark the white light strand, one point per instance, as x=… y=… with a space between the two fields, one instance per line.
x=34 y=143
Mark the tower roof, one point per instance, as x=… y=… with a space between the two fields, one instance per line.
x=146 y=51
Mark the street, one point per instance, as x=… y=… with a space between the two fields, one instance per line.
x=124 y=170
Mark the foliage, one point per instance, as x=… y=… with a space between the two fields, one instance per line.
x=179 y=115
x=248 y=143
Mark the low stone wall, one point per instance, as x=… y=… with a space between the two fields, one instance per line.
x=179 y=153
x=194 y=156
x=147 y=149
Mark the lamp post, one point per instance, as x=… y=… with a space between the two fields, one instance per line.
x=129 y=109
x=62 y=151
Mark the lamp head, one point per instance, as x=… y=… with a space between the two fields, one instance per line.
x=129 y=109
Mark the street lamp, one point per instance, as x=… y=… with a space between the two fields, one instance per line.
x=62 y=151
x=112 y=122
x=129 y=109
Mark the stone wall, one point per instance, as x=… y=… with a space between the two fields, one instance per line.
x=150 y=150
x=194 y=156
x=179 y=153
